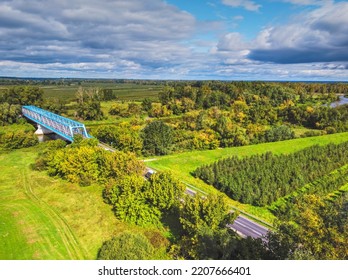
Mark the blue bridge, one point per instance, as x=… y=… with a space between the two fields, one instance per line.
x=62 y=126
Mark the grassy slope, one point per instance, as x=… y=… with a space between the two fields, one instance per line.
x=45 y=218
x=183 y=164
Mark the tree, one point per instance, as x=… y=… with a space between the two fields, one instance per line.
x=23 y=95
x=222 y=126
x=84 y=163
x=262 y=179
x=204 y=222
x=122 y=138
x=198 y=212
x=146 y=105
x=127 y=246
x=164 y=191
x=158 y=138
x=9 y=114
x=314 y=228
x=166 y=95
x=107 y=94
x=142 y=202
x=88 y=104
x=134 y=109
x=128 y=197
x=55 y=105
x=279 y=133
x=215 y=245
x=119 y=109
x=17 y=140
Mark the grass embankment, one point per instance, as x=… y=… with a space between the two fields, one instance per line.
x=183 y=164
x=46 y=218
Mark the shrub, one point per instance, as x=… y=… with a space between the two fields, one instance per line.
x=127 y=246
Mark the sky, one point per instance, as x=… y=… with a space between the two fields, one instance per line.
x=287 y=40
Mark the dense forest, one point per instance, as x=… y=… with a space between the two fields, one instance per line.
x=262 y=179
x=208 y=115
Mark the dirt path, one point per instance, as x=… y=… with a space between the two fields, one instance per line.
x=63 y=230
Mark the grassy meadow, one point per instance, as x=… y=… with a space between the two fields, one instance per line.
x=183 y=164
x=48 y=218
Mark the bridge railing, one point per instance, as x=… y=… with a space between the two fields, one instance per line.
x=64 y=127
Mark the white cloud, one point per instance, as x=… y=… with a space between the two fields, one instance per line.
x=311 y=46
x=318 y=36
x=152 y=39
x=246 y=4
x=83 y=31
x=232 y=42
x=237 y=18
x=309 y=2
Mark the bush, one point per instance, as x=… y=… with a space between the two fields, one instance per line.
x=122 y=138
x=88 y=164
x=312 y=133
x=18 y=140
x=127 y=246
x=279 y=133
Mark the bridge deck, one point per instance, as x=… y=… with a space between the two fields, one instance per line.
x=64 y=127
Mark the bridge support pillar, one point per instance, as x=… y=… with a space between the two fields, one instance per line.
x=42 y=130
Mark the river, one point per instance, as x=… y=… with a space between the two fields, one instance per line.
x=49 y=137
x=343 y=100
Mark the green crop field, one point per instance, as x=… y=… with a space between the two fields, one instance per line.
x=124 y=92
x=183 y=164
x=46 y=218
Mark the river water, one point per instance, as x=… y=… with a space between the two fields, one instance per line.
x=48 y=137
x=343 y=100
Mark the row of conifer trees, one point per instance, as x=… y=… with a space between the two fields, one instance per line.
x=262 y=179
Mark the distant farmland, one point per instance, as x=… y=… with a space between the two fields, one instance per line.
x=124 y=91
x=134 y=92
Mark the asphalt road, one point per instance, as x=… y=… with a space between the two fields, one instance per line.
x=246 y=227
x=243 y=226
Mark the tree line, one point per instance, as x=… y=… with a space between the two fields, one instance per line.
x=84 y=163
x=312 y=228
x=11 y=102
x=17 y=136
x=208 y=114
x=262 y=103
x=262 y=179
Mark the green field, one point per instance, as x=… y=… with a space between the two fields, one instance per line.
x=124 y=92
x=182 y=164
x=46 y=218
